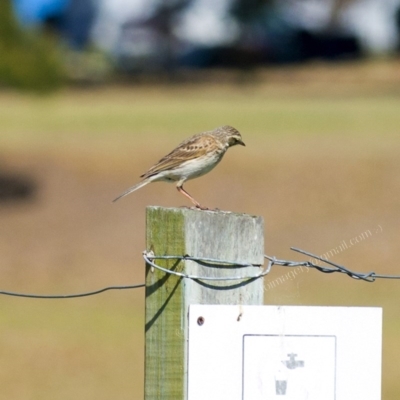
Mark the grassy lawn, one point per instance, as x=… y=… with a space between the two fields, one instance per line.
x=321 y=165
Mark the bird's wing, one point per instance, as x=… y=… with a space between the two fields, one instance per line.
x=192 y=148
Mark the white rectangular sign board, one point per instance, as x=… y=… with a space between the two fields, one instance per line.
x=284 y=352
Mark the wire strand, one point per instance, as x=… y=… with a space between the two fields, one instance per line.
x=71 y=296
x=149 y=257
x=209 y=262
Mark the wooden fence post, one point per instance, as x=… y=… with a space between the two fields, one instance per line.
x=206 y=234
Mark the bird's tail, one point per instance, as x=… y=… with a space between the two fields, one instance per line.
x=133 y=188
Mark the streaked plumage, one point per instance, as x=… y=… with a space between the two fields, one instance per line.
x=192 y=158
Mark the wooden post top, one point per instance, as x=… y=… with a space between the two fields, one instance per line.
x=216 y=234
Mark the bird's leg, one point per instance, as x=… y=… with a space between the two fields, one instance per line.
x=185 y=193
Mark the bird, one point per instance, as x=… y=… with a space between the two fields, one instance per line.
x=192 y=158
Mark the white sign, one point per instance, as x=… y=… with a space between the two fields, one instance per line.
x=286 y=353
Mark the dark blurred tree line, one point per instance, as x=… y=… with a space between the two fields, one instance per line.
x=62 y=47
x=29 y=60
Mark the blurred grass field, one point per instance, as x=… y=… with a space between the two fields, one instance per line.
x=321 y=165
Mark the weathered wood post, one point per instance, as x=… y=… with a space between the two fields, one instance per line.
x=205 y=234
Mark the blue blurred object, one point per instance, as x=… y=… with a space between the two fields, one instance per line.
x=33 y=12
x=70 y=19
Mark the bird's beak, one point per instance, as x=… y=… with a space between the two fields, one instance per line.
x=241 y=143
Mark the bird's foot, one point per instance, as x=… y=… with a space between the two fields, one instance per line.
x=199 y=207
x=195 y=207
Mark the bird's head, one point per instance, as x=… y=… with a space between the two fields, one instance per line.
x=232 y=135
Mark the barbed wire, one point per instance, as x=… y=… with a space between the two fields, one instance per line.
x=368 y=277
x=149 y=258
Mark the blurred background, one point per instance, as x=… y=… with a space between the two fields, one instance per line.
x=92 y=93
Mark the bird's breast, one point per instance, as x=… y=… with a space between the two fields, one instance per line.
x=191 y=169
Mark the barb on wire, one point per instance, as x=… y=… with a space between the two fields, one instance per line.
x=71 y=296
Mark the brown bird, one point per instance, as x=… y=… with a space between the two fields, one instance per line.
x=192 y=158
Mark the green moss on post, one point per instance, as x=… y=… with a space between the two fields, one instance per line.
x=164 y=354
